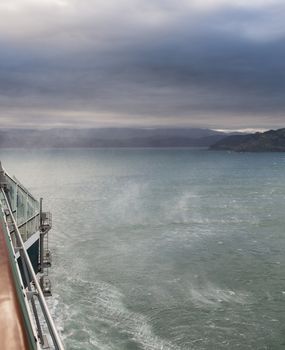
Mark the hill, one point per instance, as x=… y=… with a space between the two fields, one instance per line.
x=269 y=141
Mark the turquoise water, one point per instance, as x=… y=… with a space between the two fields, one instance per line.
x=163 y=249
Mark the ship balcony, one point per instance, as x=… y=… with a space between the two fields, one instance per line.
x=45 y=222
x=47 y=258
x=45 y=284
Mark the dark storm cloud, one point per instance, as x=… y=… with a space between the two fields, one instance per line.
x=216 y=65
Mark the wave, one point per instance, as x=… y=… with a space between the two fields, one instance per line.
x=100 y=312
x=210 y=295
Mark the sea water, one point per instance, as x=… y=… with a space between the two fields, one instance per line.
x=163 y=249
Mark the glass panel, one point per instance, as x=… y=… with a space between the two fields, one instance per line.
x=24 y=207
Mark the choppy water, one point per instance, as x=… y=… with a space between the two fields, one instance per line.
x=163 y=249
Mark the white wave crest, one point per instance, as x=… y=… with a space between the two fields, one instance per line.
x=210 y=295
x=104 y=305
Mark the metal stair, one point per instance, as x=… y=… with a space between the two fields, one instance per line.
x=45 y=253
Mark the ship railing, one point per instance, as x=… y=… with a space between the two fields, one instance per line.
x=27 y=228
x=28 y=268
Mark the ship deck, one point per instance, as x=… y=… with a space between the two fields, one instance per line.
x=13 y=332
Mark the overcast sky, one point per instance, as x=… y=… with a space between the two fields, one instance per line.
x=200 y=63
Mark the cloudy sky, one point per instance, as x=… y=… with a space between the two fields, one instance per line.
x=201 y=63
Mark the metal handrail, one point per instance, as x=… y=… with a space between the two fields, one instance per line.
x=49 y=321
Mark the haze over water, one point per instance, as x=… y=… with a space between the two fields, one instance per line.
x=163 y=248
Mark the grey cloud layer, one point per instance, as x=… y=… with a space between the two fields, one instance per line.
x=139 y=62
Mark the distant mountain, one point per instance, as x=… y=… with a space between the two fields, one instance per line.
x=109 y=137
x=269 y=141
